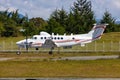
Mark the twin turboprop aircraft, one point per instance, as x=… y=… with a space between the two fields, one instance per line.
x=45 y=40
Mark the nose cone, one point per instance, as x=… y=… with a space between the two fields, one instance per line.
x=18 y=43
x=23 y=43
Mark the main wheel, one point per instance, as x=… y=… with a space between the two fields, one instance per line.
x=50 y=52
x=18 y=52
x=37 y=48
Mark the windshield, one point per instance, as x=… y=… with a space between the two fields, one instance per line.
x=34 y=37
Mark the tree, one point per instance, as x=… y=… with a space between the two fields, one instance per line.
x=28 y=27
x=57 y=21
x=107 y=18
x=83 y=16
x=15 y=16
x=54 y=27
x=38 y=23
x=70 y=23
x=4 y=16
x=9 y=29
x=62 y=17
x=2 y=29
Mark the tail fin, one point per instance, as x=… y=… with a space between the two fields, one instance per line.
x=97 y=31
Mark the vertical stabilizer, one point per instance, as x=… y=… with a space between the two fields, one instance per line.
x=97 y=31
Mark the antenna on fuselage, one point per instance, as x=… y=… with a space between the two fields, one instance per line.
x=52 y=34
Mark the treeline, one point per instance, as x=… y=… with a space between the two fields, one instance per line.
x=79 y=19
x=13 y=24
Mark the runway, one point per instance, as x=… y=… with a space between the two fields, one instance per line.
x=90 y=57
x=66 y=58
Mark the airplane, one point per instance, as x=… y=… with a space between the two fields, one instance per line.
x=45 y=40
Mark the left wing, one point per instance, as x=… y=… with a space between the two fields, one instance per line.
x=49 y=44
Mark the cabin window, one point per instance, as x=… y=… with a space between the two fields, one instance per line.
x=62 y=38
x=58 y=38
x=55 y=38
x=73 y=38
x=41 y=37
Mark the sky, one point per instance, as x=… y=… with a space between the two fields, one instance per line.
x=44 y=8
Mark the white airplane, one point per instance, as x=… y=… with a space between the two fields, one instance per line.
x=45 y=40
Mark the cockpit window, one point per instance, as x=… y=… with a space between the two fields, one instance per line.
x=34 y=37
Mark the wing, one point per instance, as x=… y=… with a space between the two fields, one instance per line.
x=49 y=44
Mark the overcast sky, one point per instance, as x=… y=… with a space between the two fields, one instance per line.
x=43 y=8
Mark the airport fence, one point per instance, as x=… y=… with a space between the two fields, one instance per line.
x=91 y=47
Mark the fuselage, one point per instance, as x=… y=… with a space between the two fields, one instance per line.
x=59 y=40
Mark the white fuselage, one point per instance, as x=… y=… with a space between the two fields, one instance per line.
x=59 y=40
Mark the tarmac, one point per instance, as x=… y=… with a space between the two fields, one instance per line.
x=89 y=57
x=70 y=58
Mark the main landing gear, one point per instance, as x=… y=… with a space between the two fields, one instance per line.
x=51 y=52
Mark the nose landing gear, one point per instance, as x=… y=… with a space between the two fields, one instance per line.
x=18 y=52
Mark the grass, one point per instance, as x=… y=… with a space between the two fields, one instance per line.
x=112 y=36
x=96 y=68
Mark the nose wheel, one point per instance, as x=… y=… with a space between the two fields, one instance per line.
x=18 y=52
